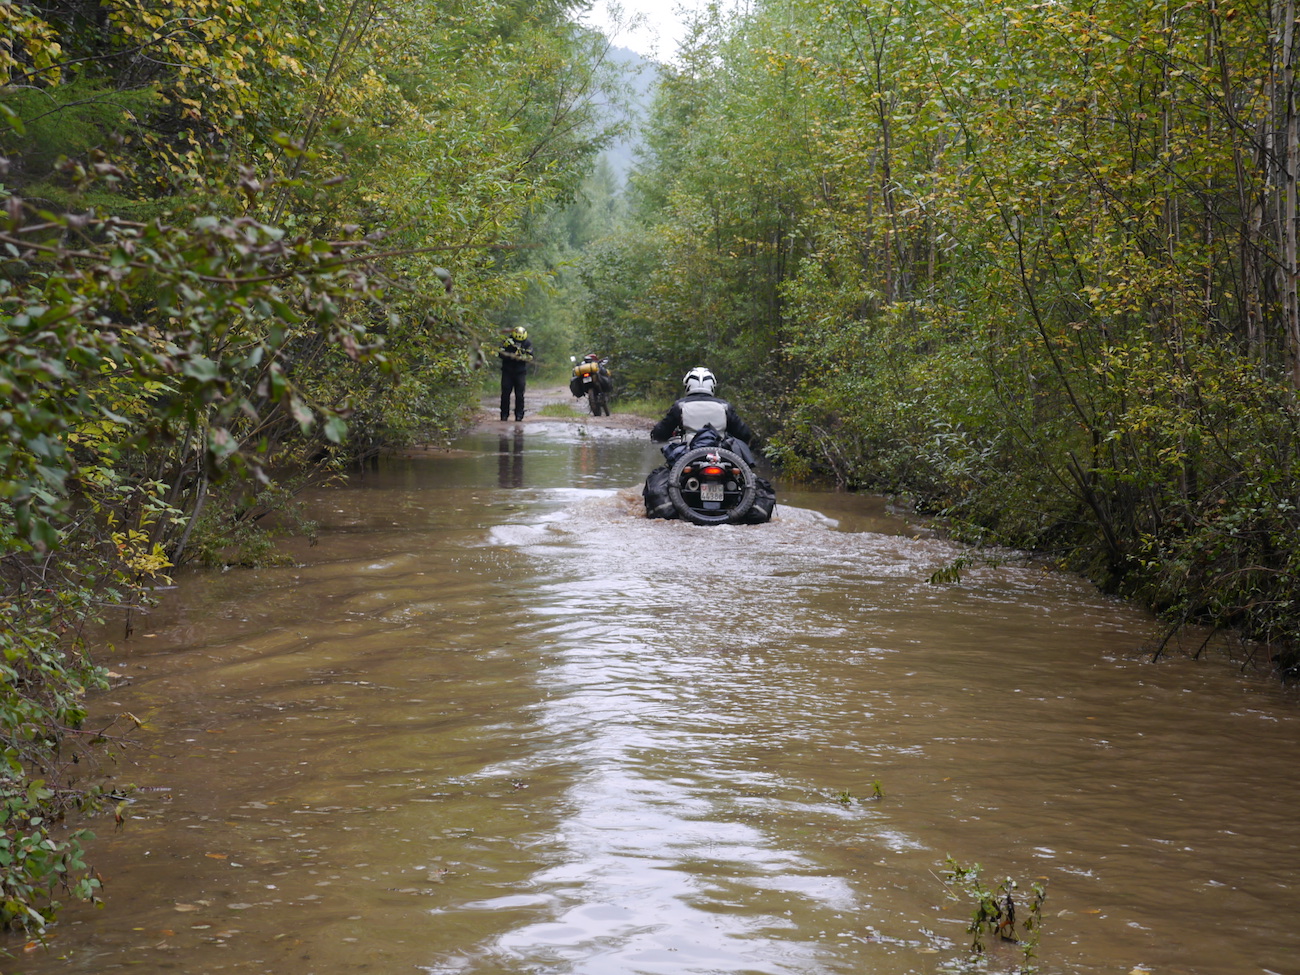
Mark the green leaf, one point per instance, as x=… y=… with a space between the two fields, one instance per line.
x=336 y=429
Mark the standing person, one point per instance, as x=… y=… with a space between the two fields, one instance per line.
x=515 y=354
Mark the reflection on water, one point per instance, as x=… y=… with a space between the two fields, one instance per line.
x=496 y=722
x=510 y=459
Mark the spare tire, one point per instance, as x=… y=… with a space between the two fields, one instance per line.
x=729 y=512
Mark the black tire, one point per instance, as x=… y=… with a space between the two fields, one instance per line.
x=596 y=400
x=748 y=489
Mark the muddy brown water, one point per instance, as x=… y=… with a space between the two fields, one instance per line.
x=496 y=722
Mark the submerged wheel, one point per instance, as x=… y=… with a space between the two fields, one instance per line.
x=734 y=504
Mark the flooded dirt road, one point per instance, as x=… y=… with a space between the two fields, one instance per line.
x=497 y=723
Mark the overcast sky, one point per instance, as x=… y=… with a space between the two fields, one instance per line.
x=658 y=37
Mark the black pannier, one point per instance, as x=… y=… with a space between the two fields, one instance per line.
x=657 y=502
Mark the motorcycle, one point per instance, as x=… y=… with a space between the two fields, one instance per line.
x=591 y=379
x=710 y=481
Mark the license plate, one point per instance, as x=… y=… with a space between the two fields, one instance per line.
x=711 y=491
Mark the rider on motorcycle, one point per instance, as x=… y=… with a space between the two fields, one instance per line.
x=699 y=408
x=706 y=423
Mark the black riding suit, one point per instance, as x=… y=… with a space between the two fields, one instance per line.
x=515 y=354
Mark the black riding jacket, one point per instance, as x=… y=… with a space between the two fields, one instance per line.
x=694 y=411
x=515 y=354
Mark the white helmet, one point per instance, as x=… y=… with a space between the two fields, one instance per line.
x=699 y=380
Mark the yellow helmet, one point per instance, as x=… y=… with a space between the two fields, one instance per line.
x=519 y=333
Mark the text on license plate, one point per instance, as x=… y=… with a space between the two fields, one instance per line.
x=711 y=491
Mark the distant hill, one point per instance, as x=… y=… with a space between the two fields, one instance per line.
x=641 y=74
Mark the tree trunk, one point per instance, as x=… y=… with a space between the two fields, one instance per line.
x=1290 y=157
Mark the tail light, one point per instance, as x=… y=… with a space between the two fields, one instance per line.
x=712 y=471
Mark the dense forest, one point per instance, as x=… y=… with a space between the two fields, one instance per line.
x=1034 y=267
